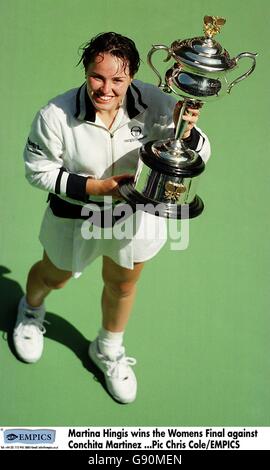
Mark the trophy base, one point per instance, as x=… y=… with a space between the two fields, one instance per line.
x=171 y=211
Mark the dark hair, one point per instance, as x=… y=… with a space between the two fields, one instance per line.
x=115 y=44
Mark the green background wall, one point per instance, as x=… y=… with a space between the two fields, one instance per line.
x=200 y=326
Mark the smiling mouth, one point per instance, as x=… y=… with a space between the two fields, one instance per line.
x=103 y=98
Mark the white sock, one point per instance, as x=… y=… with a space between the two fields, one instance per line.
x=39 y=310
x=109 y=343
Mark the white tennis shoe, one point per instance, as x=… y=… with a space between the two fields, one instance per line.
x=28 y=332
x=119 y=376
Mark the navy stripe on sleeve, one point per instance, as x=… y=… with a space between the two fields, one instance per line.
x=76 y=187
x=193 y=140
x=58 y=181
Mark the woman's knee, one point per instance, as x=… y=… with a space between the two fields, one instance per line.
x=120 y=282
x=52 y=283
x=53 y=277
x=120 y=288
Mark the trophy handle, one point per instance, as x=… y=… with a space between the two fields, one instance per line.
x=245 y=75
x=155 y=48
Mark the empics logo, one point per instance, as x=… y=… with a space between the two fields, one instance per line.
x=11 y=437
x=29 y=436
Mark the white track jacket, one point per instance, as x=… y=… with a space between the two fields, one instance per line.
x=69 y=143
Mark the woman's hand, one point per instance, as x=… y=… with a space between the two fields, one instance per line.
x=108 y=186
x=191 y=115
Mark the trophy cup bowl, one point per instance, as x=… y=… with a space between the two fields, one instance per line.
x=168 y=172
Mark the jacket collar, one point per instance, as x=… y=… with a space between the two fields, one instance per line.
x=85 y=110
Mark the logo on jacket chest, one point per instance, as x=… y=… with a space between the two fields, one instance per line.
x=136 y=133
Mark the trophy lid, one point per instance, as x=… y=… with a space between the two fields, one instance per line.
x=204 y=52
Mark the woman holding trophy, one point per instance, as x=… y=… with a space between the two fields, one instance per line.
x=82 y=145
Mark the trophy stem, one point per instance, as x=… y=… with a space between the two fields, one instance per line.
x=181 y=124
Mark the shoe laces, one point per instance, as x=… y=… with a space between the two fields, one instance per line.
x=30 y=319
x=117 y=368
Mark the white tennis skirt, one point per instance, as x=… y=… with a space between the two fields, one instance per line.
x=73 y=244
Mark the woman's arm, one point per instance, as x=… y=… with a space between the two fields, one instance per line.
x=44 y=167
x=193 y=135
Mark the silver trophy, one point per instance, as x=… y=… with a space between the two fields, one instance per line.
x=169 y=170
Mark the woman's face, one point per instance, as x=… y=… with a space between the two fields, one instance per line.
x=107 y=82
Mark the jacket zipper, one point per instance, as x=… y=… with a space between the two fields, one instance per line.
x=112 y=152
